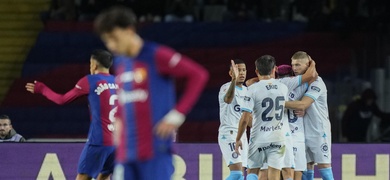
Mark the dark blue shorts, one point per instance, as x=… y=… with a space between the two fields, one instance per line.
x=158 y=168
x=95 y=159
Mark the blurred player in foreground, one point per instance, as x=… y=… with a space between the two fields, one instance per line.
x=147 y=113
x=231 y=96
x=97 y=158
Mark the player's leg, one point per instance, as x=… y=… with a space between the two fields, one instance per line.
x=125 y=171
x=299 y=159
x=310 y=145
x=323 y=159
x=287 y=173
x=88 y=166
x=252 y=175
x=161 y=165
x=226 y=143
x=309 y=173
x=83 y=177
x=263 y=173
x=276 y=155
x=288 y=165
x=273 y=173
x=108 y=167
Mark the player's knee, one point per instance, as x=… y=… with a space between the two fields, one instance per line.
x=83 y=177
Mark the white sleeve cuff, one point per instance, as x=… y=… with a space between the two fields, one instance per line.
x=174 y=117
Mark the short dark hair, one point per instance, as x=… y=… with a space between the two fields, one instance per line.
x=116 y=16
x=237 y=61
x=3 y=116
x=265 y=64
x=103 y=57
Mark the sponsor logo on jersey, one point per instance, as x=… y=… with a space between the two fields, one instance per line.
x=237 y=108
x=315 y=88
x=137 y=95
x=271 y=128
x=291 y=95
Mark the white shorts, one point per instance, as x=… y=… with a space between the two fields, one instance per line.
x=288 y=161
x=299 y=150
x=289 y=158
x=227 y=144
x=271 y=153
x=318 y=149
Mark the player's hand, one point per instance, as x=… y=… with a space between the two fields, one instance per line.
x=238 y=146
x=165 y=130
x=234 y=70
x=311 y=61
x=299 y=113
x=30 y=87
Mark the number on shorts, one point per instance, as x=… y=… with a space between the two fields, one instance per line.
x=268 y=103
x=232 y=146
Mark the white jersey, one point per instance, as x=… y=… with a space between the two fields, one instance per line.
x=317 y=116
x=296 y=92
x=266 y=99
x=230 y=114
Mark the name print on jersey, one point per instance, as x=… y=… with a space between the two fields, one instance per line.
x=104 y=86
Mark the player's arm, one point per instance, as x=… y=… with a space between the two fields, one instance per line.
x=302 y=105
x=244 y=122
x=311 y=73
x=251 y=81
x=176 y=65
x=40 y=88
x=229 y=96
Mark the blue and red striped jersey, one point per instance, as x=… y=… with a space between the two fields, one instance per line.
x=147 y=93
x=102 y=100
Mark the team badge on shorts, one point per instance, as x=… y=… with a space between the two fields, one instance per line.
x=234 y=155
x=324 y=148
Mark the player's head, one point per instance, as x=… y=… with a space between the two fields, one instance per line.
x=116 y=27
x=101 y=60
x=300 y=62
x=368 y=96
x=5 y=125
x=265 y=66
x=284 y=70
x=241 y=70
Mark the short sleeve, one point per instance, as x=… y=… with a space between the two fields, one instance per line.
x=292 y=82
x=222 y=92
x=314 y=91
x=248 y=102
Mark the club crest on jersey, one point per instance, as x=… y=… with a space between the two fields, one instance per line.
x=246 y=98
x=139 y=75
x=315 y=88
x=234 y=155
x=324 y=148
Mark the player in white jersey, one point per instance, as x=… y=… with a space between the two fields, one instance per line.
x=266 y=100
x=293 y=160
x=295 y=121
x=231 y=96
x=316 y=123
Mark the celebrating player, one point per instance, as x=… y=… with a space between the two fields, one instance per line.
x=97 y=157
x=266 y=100
x=316 y=123
x=147 y=114
x=230 y=97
